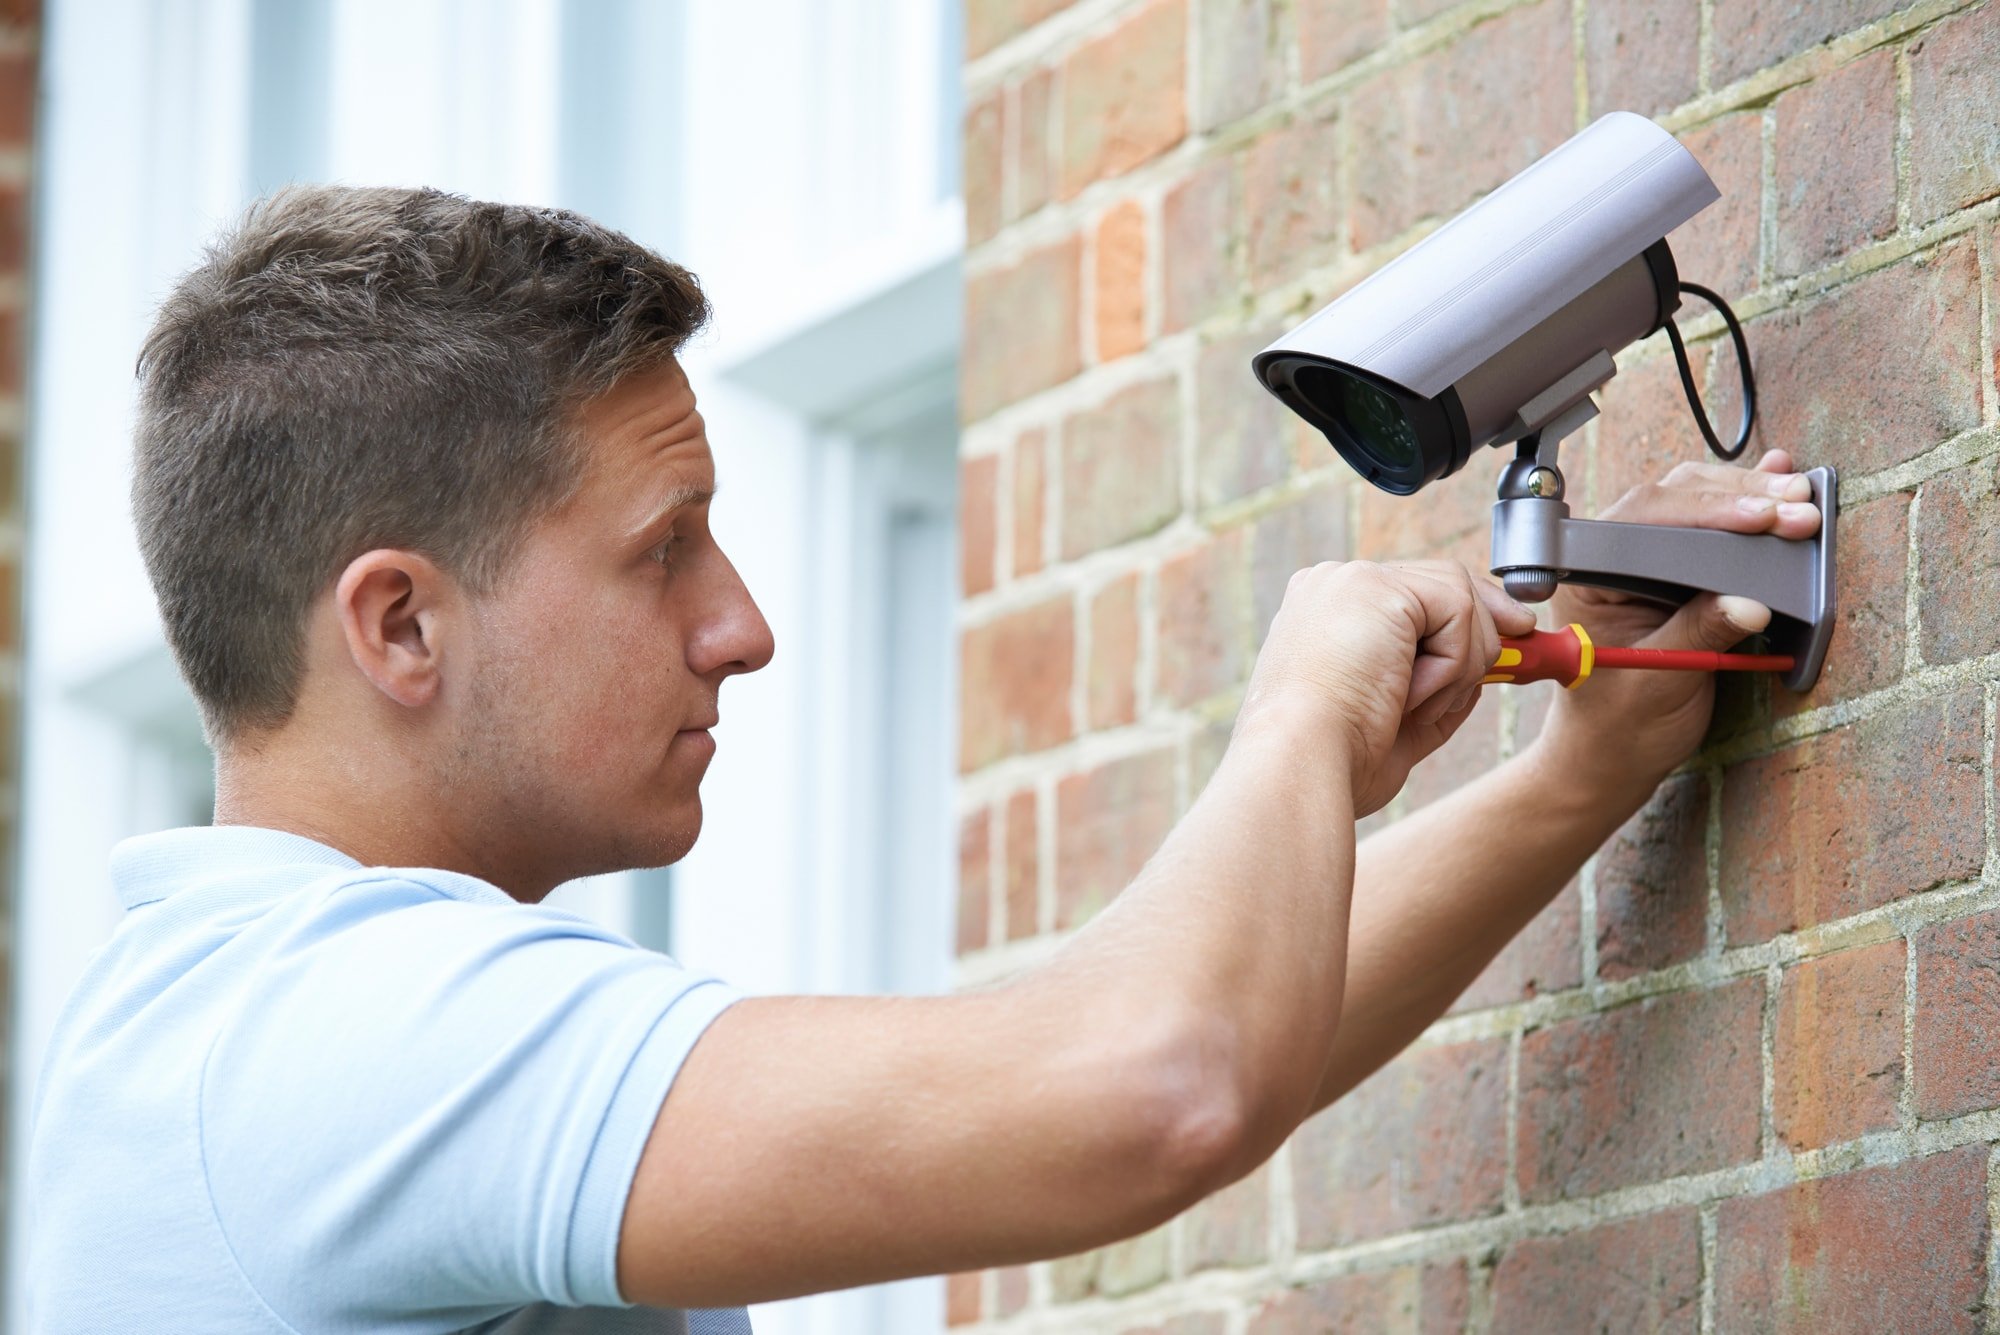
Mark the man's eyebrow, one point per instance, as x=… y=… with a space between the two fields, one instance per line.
x=677 y=498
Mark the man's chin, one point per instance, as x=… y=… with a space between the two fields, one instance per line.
x=671 y=840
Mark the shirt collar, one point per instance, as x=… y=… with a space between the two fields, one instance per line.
x=153 y=866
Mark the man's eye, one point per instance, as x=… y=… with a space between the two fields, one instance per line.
x=664 y=553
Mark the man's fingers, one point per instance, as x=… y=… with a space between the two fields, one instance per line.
x=1509 y=617
x=1733 y=510
x=1778 y=484
x=1460 y=648
x=1774 y=461
x=1710 y=621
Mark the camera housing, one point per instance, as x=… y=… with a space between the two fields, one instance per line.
x=1503 y=318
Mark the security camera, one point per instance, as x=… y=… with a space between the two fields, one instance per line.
x=1499 y=327
x=1459 y=342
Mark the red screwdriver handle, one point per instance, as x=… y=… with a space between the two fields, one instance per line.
x=1565 y=655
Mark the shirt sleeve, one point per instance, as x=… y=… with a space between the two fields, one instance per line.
x=427 y=1112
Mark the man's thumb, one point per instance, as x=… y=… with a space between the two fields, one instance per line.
x=1711 y=621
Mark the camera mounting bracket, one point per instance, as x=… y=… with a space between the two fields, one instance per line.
x=1536 y=545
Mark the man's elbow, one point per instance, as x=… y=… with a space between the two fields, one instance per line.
x=1193 y=1128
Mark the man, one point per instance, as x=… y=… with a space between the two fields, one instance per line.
x=424 y=494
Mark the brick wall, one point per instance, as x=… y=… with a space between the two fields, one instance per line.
x=19 y=48
x=1745 y=1072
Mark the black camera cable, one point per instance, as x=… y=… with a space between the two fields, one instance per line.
x=1734 y=451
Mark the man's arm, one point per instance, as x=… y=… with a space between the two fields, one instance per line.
x=1440 y=892
x=1170 y=1046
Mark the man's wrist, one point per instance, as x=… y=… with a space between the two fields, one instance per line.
x=1307 y=731
x=1577 y=771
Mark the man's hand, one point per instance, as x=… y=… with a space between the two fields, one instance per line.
x=1646 y=723
x=1386 y=660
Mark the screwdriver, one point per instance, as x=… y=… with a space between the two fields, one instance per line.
x=1568 y=656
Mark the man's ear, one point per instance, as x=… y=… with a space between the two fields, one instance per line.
x=387 y=603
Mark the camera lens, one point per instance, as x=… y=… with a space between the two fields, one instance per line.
x=1398 y=440
x=1377 y=423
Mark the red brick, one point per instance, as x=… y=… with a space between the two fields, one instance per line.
x=1230 y=1227
x=1335 y=33
x=991 y=22
x=1454 y=517
x=1652 y=883
x=1960 y=573
x=1109 y=820
x=1914 y=326
x=1646 y=427
x=1307 y=529
x=1957 y=1039
x=961 y=1299
x=18 y=92
x=1750 y=34
x=1121 y=281
x=1204 y=627
x=1866 y=652
x=1718 y=246
x=1543 y=957
x=1034 y=143
x=1472 y=752
x=14 y=223
x=1901 y=1247
x=1430 y=135
x=985 y=147
x=1020 y=329
x=1853 y=819
x=1415 y=1299
x=1030 y=487
x=1121 y=468
x=1202 y=250
x=1630 y=1275
x=1123 y=96
x=975 y=879
x=1641 y=55
x=1024 y=867
x=1954 y=106
x=1665 y=1086
x=1240 y=442
x=1835 y=163
x=1290 y=198
x=1838 y=1062
x=1015 y=673
x=1422 y=1141
x=1238 y=68
x=1112 y=685
x=1444 y=1298
x=978 y=479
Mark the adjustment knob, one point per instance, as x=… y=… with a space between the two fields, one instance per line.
x=1528 y=585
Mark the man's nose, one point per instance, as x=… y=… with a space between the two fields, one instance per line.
x=733 y=637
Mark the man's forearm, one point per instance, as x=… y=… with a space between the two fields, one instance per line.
x=1238 y=923
x=1437 y=894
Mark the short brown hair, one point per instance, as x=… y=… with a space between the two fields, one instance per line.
x=358 y=368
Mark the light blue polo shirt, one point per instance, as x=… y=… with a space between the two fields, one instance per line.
x=294 y=1093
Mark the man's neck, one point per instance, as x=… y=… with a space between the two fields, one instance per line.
x=382 y=814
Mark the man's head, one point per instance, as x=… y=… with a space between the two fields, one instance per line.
x=419 y=477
